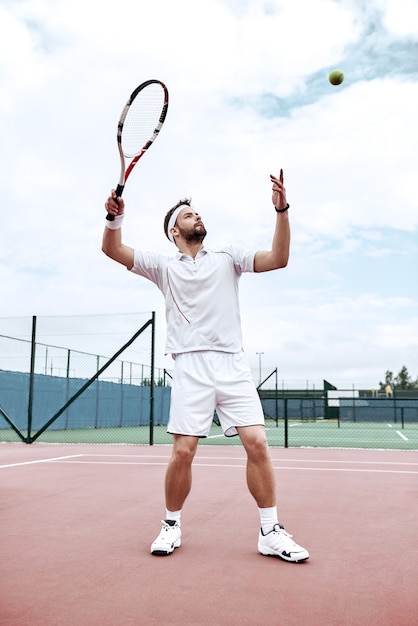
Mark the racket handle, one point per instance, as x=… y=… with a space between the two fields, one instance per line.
x=119 y=191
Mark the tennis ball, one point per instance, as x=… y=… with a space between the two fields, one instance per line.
x=336 y=77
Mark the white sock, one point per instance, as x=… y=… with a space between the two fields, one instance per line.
x=173 y=516
x=268 y=518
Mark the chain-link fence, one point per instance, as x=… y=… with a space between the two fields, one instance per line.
x=322 y=415
x=92 y=379
x=64 y=376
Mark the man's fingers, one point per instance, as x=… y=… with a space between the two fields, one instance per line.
x=111 y=206
x=279 y=180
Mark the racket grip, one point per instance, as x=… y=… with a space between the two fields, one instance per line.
x=119 y=191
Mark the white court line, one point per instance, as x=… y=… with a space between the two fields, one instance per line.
x=68 y=459
x=243 y=465
x=122 y=463
x=345 y=462
x=398 y=432
x=57 y=458
x=234 y=458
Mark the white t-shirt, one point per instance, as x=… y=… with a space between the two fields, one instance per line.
x=201 y=296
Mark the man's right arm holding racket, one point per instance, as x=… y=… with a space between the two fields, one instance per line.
x=112 y=244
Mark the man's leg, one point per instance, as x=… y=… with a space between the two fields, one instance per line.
x=260 y=475
x=273 y=539
x=178 y=478
x=178 y=482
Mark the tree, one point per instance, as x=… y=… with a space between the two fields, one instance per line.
x=402 y=380
x=388 y=381
x=146 y=382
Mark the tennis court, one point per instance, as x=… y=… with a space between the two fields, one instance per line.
x=79 y=520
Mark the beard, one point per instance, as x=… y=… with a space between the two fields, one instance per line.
x=195 y=235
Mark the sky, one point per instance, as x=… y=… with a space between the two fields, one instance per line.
x=249 y=94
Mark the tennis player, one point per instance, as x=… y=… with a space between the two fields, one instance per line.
x=211 y=371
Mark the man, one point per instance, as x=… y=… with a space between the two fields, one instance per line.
x=211 y=371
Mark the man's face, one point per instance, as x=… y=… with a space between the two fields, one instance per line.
x=190 y=226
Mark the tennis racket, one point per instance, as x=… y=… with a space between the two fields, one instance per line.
x=139 y=125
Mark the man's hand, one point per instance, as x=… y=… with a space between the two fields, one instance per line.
x=112 y=244
x=278 y=256
x=114 y=205
x=278 y=196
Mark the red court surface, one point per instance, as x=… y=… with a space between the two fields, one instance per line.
x=77 y=522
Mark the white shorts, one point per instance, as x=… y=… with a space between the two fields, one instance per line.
x=207 y=381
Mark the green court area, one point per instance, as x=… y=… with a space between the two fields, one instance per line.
x=300 y=433
x=330 y=434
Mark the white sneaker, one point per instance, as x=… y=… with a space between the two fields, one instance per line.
x=279 y=543
x=168 y=539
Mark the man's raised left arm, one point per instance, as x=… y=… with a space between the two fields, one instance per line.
x=278 y=256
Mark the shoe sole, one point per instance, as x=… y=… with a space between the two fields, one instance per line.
x=284 y=557
x=166 y=552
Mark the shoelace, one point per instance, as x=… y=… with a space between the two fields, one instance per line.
x=279 y=529
x=167 y=527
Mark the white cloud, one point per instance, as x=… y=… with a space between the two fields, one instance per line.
x=248 y=95
x=402 y=17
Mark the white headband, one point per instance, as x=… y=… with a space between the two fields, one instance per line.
x=173 y=219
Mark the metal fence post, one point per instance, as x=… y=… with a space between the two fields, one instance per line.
x=277 y=402
x=152 y=382
x=286 y=425
x=31 y=380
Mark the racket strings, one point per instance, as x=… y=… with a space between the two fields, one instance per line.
x=142 y=121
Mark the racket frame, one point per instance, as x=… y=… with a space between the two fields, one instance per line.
x=126 y=170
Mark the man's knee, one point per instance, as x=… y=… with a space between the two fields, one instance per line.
x=255 y=442
x=184 y=449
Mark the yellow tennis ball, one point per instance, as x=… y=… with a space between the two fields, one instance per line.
x=336 y=77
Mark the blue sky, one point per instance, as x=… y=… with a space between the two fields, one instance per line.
x=248 y=95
